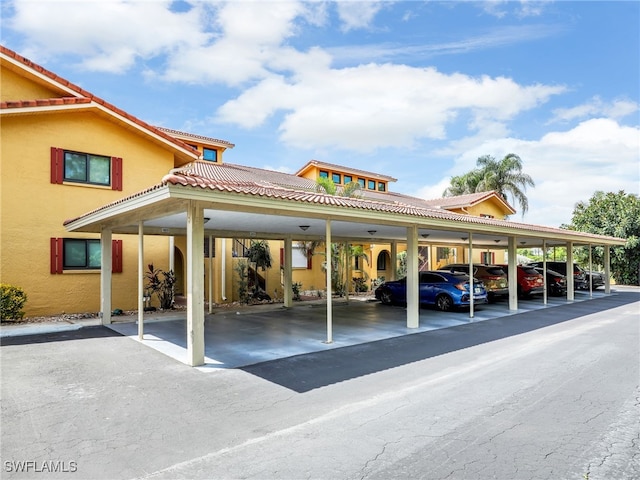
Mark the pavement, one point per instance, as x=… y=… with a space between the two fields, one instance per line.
x=545 y=393
x=238 y=336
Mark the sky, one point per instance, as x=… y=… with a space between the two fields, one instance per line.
x=415 y=90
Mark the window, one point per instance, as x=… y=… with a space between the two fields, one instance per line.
x=362 y=182
x=206 y=247
x=210 y=154
x=487 y=257
x=371 y=184
x=299 y=258
x=381 y=187
x=486 y=215
x=348 y=179
x=337 y=178
x=82 y=254
x=324 y=174
x=381 y=263
x=85 y=168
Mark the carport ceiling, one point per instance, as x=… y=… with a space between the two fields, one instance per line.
x=222 y=223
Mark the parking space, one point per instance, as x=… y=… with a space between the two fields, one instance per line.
x=240 y=337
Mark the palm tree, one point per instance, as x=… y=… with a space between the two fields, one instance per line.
x=504 y=177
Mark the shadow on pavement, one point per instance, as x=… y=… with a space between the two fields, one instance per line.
x=97 y=331
x=306 y=372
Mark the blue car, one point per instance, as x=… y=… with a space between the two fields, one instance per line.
x=444 y=289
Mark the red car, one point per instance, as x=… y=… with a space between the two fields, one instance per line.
x=530 y=282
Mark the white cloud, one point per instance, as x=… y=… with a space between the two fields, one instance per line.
x=374 y=106
x=110 y=36
x=357 y=14
x=596 y=107
x=567 y=166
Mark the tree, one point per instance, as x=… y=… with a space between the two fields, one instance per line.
x=616 y=215
x=260 y=255
x=328 y=186
x=504 y=177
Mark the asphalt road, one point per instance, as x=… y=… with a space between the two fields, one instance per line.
x=543 y=395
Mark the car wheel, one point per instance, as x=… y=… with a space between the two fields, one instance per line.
x=386 y=297
x=444 y=303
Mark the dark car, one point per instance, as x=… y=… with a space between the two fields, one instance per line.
x=445 y=290
x=596 y=279
x=493 y=277
x=579 y=277
x=530 y=281
x=556 y=282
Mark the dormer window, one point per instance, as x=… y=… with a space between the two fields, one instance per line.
x=210 y=154
x=381 y=186
x=348 y=179
x=371 y=184
x=324 y=174
x=337 y=178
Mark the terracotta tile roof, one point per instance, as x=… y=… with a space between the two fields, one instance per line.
x=86 y=96
x=342 y=168
x=196 y=137
x=44 y=102
x=256 y=182
x=466 y=200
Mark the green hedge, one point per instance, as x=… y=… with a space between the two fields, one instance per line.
x=12 y=299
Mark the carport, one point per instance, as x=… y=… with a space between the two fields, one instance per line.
x=255 y=208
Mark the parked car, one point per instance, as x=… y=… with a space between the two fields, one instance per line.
x=445 y=290
x=596 y=279
x=530 y=281
x=579 y=276
x=556 y=282
x=493 y=277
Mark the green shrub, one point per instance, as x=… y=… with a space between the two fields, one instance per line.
x=11 y=302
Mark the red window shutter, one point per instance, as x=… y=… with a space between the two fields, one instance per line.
x=116 y=256
x=57 y=165
x=309 y=261
x=116 y=173
x=282 y=257
x=56 y=255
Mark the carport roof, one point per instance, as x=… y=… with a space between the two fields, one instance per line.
x=253 y=202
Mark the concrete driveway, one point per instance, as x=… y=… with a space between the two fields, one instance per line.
x=245 y=336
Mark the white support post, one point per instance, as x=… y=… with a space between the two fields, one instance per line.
x=607 y=269
x=545 y=285
x=347 y=271
x=413 y=293
x=471 y=302
x=394 y=260
x=141 y=280
x=288 y=272
x=570 y=278
x=513 y=274
x=195 y=285
x=590 y=272
x=105 y=276
x=210 y=276
x=223 y=269
x=328 y=282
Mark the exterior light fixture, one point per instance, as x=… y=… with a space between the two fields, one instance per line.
x=206 y=219
x=464 y=239
x=497 y=241
x=304 y=227
x=371 y=232
x=424 y=235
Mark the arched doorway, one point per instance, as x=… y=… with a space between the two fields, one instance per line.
x=383 y=264
x=178 y=269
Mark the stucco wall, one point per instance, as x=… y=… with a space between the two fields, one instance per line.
x=33 y=209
